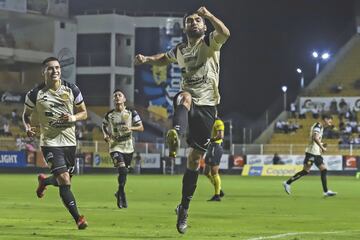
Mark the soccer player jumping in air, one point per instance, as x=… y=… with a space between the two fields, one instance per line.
x=195 y=105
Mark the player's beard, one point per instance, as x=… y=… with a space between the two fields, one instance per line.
x=195 y=34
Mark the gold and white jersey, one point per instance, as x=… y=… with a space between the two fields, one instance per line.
x=50 y=105
x=313 y=148
x=116 y=124
x=200 y=67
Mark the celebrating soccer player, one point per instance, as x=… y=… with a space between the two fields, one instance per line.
x=118 y=125
x=195 y=105
x=55 y=101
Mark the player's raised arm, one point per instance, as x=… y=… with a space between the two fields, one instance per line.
x=222 y=33
x=158 y=59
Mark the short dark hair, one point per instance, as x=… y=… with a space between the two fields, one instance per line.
x=188 y=14
x=326 y=116
x=49 y=59
x=118 y=90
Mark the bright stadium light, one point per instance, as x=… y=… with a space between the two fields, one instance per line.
x=315 y=54
x=284 y=89
x=325 y=56
x=298 y=70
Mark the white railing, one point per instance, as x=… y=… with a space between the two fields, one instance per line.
x=238 y=149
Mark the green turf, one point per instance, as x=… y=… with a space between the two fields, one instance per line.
x=253 y=207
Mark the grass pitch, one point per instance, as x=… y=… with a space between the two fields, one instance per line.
x=254 y=208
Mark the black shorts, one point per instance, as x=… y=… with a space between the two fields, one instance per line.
x=310 y=159
x=201 y=120
x=213 y=154
x=60 y=159
x=118 y=157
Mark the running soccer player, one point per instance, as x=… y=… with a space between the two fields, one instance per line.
x=195 y=105
x=118 y=125
x=55 y=101
x=313 y=155
x=213 y=157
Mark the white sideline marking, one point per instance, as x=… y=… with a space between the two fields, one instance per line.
x=298 y=233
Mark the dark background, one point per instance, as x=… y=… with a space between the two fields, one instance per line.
x=269 y=40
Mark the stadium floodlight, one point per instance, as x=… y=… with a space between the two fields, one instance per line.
x=315 y=54
x=284 y=89
x=298 y=70
x=325 y=56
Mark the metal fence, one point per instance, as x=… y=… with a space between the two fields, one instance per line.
x=101 y=147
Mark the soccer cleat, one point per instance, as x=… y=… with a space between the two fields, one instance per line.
x=215 y=198
x=173 y=142
x=41 y=187
x=287 y=188
x=121 y=200
x=181 y=223
x=329 y=193
x=81 y=223
x=222 y=194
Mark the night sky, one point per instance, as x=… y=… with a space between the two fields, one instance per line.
x=269 y=40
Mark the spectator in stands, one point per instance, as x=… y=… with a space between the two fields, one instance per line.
x=353 y=125
x=333 y=107
x=6 y=128
x=277 y=159
x=293 y=110
x=348 y=129
x=14 y=117
x=19 y=141
x=343 y=108
x=302 y=113
x=315 y=112
x=278 y=126
x=336 y=88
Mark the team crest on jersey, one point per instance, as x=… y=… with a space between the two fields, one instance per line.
x=65 y=96
x=126 y=116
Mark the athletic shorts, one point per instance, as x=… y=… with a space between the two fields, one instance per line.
x=213 y=154
x=118 y=157
x=60 y=159
x=200 y=120
x=310 y=159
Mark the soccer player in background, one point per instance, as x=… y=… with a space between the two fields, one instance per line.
x=118 y=125
x=54 y=102
x=213 y=157
x=313 y=155
x=195 y=105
